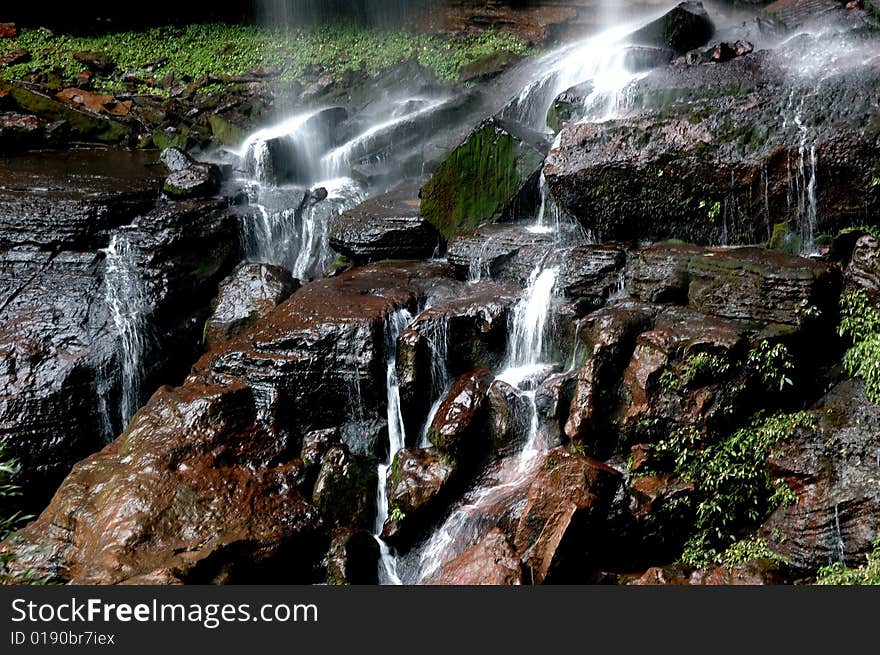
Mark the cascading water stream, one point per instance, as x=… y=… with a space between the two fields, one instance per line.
x=395 y=325
x=126 y=300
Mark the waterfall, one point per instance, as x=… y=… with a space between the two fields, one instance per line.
x=437 y=336
x=839 y=545
x=802 y=178
x=126 y=300
x=395 y=325
x=601 y=61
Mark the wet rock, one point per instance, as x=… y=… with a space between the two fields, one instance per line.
x=20 y=132
x=199 y=180
x=84 y=125
x=500 y=252
x=316 y=444
x=345 y=491
x=324 y=349
x=608 y=337
x=509 y=418
x=492 y=174
x=570 y=105
x=179 y=497
x=710 y=148
x=553 y=402
x=493 y=561
x=754 y=573
x=684 y=28
x=353 y=558
x=385 y=227
x=458 y=428
x=863 y=270
x=250 y=293
x=788 y=15
x=488 y=67
x=95 y=103
x=63 y=357
x=833 y=470
x=638 y=59
x=718 y=53
x=590 y=275
x=465 y=329
x=570 y=493
x=741 y=283
x=176 y=160
x=8 y=30
x=98 y=62
x=418 y=483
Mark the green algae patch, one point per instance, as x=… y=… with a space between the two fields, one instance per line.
x=481 y=177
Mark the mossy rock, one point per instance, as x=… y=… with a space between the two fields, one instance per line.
x=784 y=240
x=83 y=125
x=225 y=132
x=483 y=177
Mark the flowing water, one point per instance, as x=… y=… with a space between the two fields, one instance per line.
x=290 y=229
x=127 y=302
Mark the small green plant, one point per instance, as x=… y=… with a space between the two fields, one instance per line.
x=669 y=380
x=748 y=550
x=860 y=322
x=773 y=364
x=733 y=481
x=397 y=515
x=579 y=449
x=704 y=366
x=715 y=210
x=840 y=574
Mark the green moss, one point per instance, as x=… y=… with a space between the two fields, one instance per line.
x=215 y=51
x=477 y=181
x=224 y=131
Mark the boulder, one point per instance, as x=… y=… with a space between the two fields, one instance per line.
x=176 y=497
x=570 y=105
x=278 y=157
x=418 y=483
x=464 y=329
x=490 y=176
x=345 y=491
x=353 y=558
x=250 y=293
x=98 y=62
x=199 y=180
x=385 y=227
x=570 y=496
x=176 y=160
x=19 y=56
x=749 y=284
x=493 y=561
x=590 y=275
x=506 y=252
x=709 y=154
x=458 y=427
x=509 y=418
x=863 y=270
x=833 y=470
x=84 y=125
x=685 y=27
x=8 y=30
x=97 y=313
x=21 y=132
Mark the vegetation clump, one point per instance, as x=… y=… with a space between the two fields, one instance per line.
x=218 y=51
x=840 y=574
x=860 y=322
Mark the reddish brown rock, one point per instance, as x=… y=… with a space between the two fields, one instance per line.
x=458 y=426
x=96 y=103
x=493 y=561
x=188 y=492
x=19 y=56
x=570 y=492
x=833 y=469
x=8 y=30
x=416 y=483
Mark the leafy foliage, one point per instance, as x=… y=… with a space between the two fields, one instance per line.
x=773 y=364
x=860 y=321
x=839 y=574
x=217 y=50
x=731 y=477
